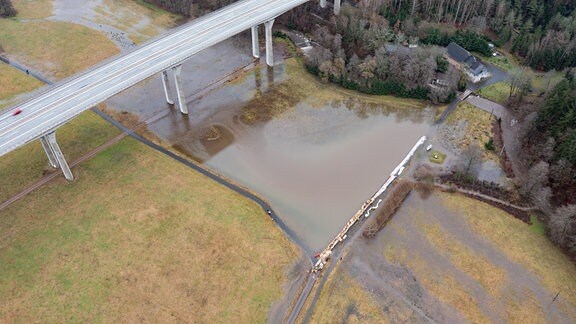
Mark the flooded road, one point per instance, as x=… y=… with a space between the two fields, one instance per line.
x=315 y=153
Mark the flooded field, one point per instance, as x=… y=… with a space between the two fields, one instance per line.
x=450 y=259
x=314 y=152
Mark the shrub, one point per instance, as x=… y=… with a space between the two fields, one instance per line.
x=391 y=204
x=490 y=144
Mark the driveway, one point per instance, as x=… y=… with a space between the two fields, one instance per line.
x=498 y=75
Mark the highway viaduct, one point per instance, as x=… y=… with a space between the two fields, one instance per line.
x=40 y=116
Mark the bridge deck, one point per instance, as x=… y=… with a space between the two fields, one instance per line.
x=65 y=100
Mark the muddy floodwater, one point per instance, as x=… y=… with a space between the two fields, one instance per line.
x=316 y=156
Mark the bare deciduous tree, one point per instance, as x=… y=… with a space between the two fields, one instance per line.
x=536 y=179
x=562 y=226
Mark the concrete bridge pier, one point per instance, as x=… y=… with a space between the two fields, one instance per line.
x=336 y=7
x=49 y=152
x=255 y=44
x=167 y=90
x=269 y=46
x=179 y=93
x=322 y=3
x=55 y=155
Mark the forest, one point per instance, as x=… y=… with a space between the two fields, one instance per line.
x=549 y=146
x=542 y=32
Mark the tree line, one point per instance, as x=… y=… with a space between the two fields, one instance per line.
x=543 y=32
x=360 y=51
x=7 y=9
x=549 y=146
x=190 y=7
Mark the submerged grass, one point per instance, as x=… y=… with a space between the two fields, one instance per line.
x=298 y=86
x=344 y=300
x=139 y=238
x=519 y=243
x=443 y=286
x=139 y=19
x=491 y=277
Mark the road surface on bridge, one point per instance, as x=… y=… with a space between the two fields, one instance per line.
x=62 y=102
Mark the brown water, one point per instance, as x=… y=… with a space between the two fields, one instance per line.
x=315 y=160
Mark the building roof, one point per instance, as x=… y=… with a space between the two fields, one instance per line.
x=457 y=52
x=463 y=56
x=477 y=68
x=471 y=60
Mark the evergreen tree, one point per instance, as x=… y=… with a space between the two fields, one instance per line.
x=6 y=9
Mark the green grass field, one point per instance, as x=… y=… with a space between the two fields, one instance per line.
x=537 y=226
x=28 y=164
x=139 y=237
x=497 y=92
x=506 y=62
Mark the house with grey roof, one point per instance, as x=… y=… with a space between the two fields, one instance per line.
x=467 y=62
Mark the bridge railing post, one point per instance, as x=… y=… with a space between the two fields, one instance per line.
x=269 y=44
x=255 y=44
x=167 y=90
x=179 y=92
x=55 y=154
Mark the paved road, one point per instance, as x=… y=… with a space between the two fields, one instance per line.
x=453 y=106
x=487 y=105
x=59 y=104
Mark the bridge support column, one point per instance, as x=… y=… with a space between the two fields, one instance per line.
x=167 y=90
x=269 y=45
x=55 y=155
x=179 y=93
x=336 y=7
x=322 y=3
x=255 y=44
x=49 y=152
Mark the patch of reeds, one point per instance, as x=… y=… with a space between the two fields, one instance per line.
x=391 y=204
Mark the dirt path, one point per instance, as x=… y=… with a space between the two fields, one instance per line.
x=483 y=196
x=510 y=129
